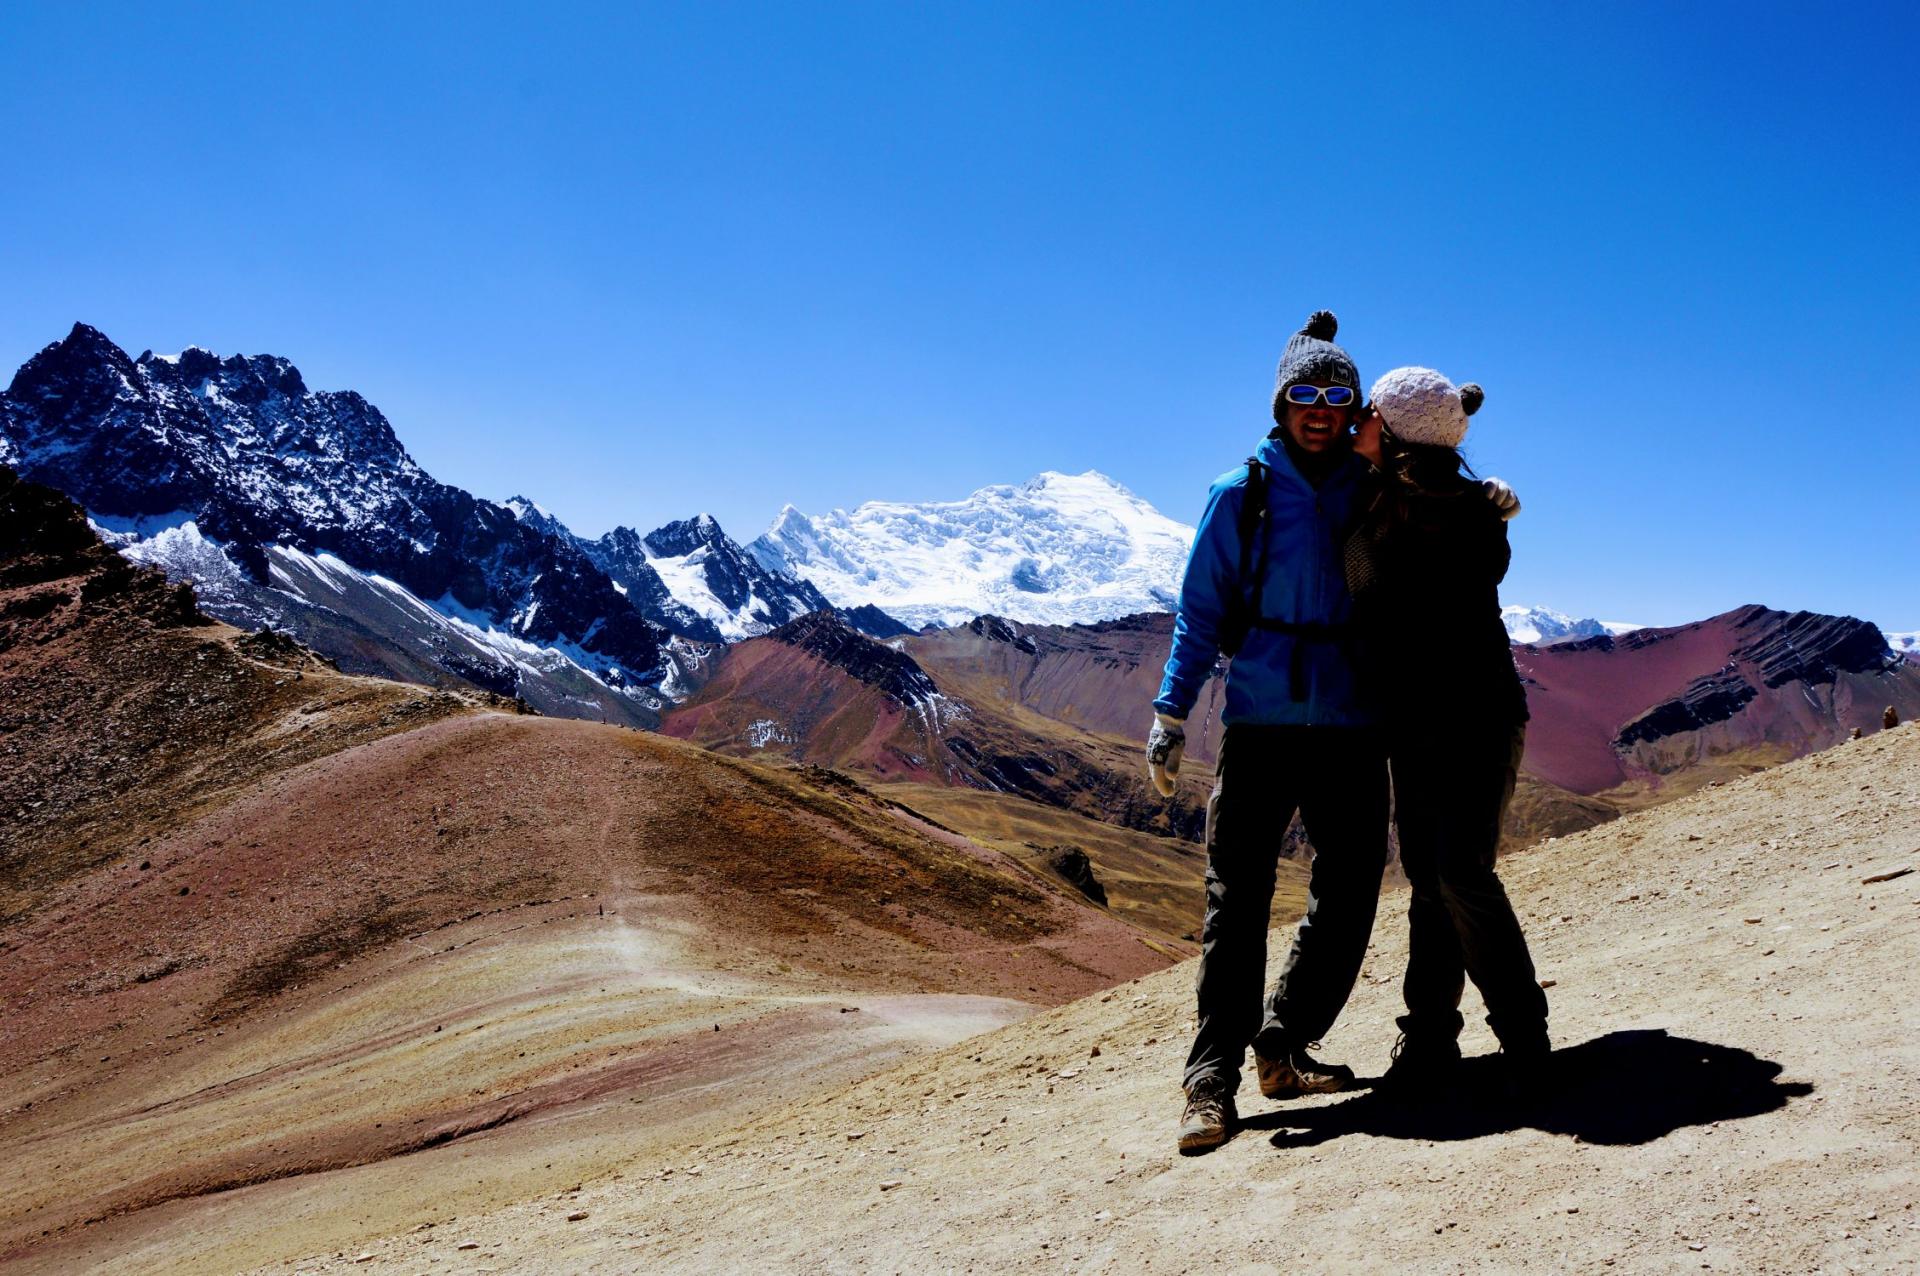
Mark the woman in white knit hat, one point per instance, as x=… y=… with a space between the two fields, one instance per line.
x=1424 y=569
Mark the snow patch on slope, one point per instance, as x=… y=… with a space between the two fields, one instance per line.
x=685 y=577
x=177 y=547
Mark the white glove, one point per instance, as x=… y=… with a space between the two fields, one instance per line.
x=1166 y=743
x=1504 y=498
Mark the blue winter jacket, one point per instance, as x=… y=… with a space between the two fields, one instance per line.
x=1306 y=529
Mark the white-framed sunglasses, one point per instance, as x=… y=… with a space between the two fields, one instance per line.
x=1335 y=396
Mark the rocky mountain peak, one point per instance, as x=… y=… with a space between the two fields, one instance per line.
x=534 y=514
x=684 y=536
x=825 y=635
x=83 y=355
x=1804 y=646
x=1000 y=629
x=250 y=379
x=873 y=622
x=244 y=462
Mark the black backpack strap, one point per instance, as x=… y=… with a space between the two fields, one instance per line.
x=1253 y=531
x=1240 y=610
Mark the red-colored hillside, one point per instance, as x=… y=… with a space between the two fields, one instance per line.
x=1751 y=686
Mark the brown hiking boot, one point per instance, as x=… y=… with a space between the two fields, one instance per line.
x=1208 y=1119
x=1296 y=1073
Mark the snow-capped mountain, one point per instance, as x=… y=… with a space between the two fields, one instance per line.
x=238 y=459
x=709 y=572
x=1057 y=549
x=377 y=626
x=692 y=573
x=1542 y=625
x=622 y=556
x=1907 y=645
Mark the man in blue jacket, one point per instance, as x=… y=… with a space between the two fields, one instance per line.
x=1298 y=736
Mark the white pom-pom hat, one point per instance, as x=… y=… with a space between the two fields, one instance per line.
x=1421 y=406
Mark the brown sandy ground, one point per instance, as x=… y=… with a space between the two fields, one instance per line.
x=567 y=941
x=1734 y=1092
x=125 y=712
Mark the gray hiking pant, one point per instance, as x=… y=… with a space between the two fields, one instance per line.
x=1451 y=792
x=1336 y=777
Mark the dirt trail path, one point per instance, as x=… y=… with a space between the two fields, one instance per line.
x=506 y=954
x=1735 y=1093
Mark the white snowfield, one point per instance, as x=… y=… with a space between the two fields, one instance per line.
x=685 y=577
x=1538 y=625
x=1057 y=549
x=1904 y=642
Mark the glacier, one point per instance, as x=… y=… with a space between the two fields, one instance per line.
x=1539 y=626
x=1058 y=549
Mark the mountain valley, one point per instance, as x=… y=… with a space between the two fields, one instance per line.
x=347 y=919
x=334 y=928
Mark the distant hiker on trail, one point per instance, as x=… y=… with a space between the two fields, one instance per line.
x=1264 y=585
x=1428 y=557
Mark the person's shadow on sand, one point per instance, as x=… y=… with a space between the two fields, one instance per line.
x=1623 y=1088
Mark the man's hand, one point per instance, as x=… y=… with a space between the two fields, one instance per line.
x=1166 y=743
x=1504 y=498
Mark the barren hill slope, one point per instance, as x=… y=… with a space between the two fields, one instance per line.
x=256 y=929
x=1733 y=1003
x=583 y=930
x=124 y=709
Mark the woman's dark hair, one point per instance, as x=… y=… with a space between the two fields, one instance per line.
x=1424 y=467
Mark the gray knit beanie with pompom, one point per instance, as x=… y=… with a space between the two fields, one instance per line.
x=1312 y=356
x=1421 y=406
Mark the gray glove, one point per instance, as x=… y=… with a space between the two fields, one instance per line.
x=1166 y=743
x=1504 y=498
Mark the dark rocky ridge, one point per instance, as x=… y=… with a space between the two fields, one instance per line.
x=825 y=635
x=1811 y=648
x=874 y=623
x=256 y=459
x=999 y=629
x=683 y=536
x=1780 y=648
x=1714 y=698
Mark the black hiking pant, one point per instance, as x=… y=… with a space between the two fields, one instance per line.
x=1450 y=793
x=1337 y=778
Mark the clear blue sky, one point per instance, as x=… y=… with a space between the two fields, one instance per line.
x=722 y=256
